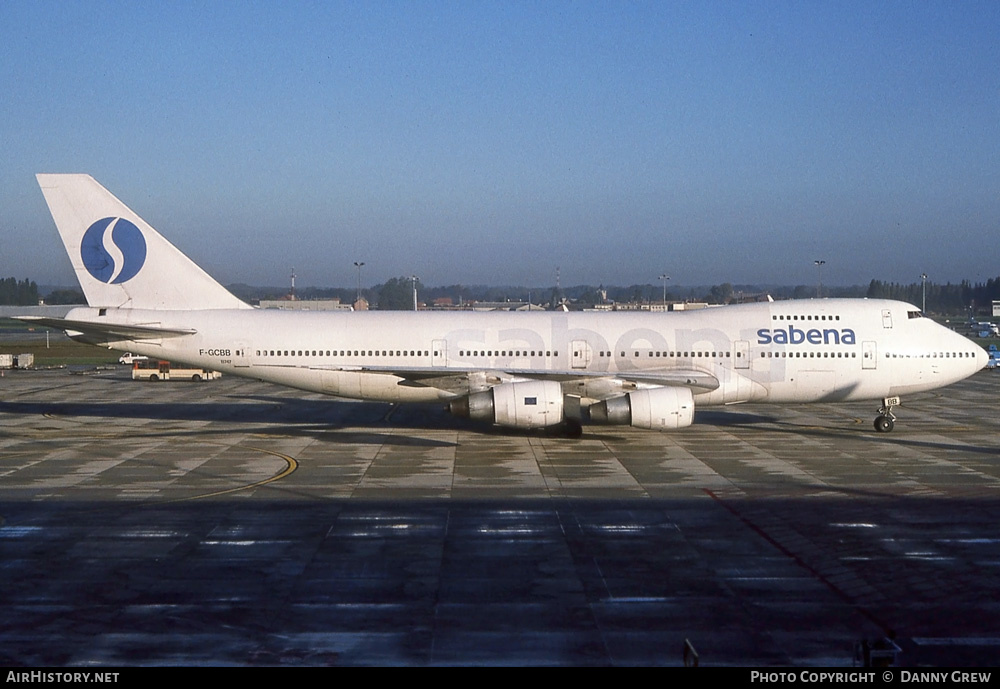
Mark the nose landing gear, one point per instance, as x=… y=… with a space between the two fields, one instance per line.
x=885 y=419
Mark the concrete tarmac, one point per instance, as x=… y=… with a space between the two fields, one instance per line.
x=234 y=522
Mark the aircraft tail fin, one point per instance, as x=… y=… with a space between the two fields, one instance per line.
x=119 y=259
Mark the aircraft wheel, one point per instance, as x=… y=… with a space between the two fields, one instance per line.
x=883 y=424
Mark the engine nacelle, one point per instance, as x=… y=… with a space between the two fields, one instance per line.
x=531 y=404
x=658 y=409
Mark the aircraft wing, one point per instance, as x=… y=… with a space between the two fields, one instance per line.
x=109 y=332
x=462 y=382
x=704 y=382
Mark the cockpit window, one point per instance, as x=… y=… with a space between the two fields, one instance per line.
x=914 y=314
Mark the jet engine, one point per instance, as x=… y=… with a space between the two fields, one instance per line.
x=529 y=404
x=658 y=409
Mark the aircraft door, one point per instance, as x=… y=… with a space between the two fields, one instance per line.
x=582 y=354
x=439 y=353
x=741 y=353
x=869 y=352
x=886 y=318
x=241 y=355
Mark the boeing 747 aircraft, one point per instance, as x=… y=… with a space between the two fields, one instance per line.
x=522 y=370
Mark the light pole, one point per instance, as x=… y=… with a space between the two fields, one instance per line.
x=923 y=293
x=819 y=277
x=358 y=264
x=414 y=278
x=664 y=277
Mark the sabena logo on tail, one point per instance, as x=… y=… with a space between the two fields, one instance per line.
x=119 y=259
x=113 y=250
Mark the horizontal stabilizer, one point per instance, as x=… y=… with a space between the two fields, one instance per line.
x=111 y=332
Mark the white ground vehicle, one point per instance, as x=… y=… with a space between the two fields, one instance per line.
x=151 y=370
x=130 y=358
x=26 y=360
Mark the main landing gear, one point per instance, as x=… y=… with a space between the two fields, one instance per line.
x=572 y=428
x=885 y=419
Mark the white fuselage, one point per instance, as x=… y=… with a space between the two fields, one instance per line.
x=789 y=351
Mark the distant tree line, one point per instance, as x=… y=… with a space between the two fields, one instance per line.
x=947 y=298
x=254 y=293
x=65 y=296
x=397 y=293
x=14 y=293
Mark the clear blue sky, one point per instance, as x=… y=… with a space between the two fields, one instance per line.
x=489 y=143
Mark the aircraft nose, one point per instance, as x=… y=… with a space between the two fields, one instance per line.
x=982 y=358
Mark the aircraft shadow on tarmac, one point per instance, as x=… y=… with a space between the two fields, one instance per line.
x=331 y=421
x=321 y=417
x=715 y=417
x=323 y=421
x=326 y=420
x=722 y=419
